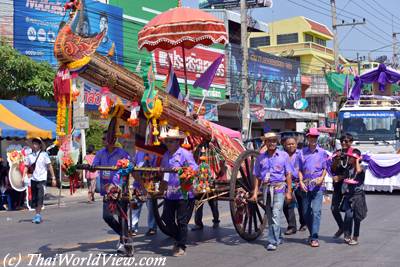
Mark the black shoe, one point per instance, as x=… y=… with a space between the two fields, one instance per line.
x=338 y=233
x=216 y=225
x=197 y=227
x=290 y=231
x=303 y=228
x=151 y=232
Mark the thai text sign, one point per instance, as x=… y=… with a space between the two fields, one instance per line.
x=198 y=59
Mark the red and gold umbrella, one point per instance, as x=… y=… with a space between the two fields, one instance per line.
x=182 y=27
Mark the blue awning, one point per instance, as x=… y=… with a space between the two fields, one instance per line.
x=18 y=121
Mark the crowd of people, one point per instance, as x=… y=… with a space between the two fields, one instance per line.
x=289 y=179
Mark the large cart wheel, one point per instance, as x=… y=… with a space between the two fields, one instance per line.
x=158 y=205
x=249 y=218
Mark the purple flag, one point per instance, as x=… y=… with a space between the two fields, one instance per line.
x=205 y=80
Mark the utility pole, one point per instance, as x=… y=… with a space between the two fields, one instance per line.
x=335 y=35
x=245 y=87
x=335 y=32
x=395 y=49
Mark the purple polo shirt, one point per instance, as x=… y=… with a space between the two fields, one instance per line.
x=104 y=158
x=181 y=158
x=277 y=166
x=312 y=164
x=294 y=164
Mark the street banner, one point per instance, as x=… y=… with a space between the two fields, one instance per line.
x=36 y=24
x=198 y=60
x=231 y=4
x=274 y=82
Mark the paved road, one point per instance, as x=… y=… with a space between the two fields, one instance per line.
x=77 y=229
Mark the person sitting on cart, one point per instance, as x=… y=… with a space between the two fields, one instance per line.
x=109 y=156
x=312 y=171
x=273 y=170
x=290 y=146
x=143 y=159
x=178 y=209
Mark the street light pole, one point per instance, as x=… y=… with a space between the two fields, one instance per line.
x=245 y=91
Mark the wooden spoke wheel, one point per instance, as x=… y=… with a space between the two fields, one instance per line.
x=249 y=218
x=158 y=205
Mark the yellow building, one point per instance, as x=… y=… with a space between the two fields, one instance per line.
x=298 y=38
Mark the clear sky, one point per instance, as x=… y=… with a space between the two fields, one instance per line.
x=376 y=33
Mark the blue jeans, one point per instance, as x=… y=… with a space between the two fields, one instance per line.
x=312 y=204
x=151 y=221
x=275 y=212
x=6 y=198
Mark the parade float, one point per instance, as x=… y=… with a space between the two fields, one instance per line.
x=226 y=168
x=373 y=121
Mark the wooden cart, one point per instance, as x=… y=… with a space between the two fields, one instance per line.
x=249 y=218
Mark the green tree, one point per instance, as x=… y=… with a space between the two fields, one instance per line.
x=94 y=135
x=21 y=76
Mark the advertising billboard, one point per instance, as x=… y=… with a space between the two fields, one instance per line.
x=226 y=4
x=36 y=24
x=274 y=82
x=198 y=59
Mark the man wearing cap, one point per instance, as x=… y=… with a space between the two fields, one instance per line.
x=312 y=171
x=273 y=170
x=109 y=156
x=177 y=210
x=36 y=166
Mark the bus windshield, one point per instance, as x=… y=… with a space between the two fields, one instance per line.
x=369 y=125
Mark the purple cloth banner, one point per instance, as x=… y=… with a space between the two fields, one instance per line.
x=381 y=75
x=205 y=80
x=376 y=170
x=379 y=171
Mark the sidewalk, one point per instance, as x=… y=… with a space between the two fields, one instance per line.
x=52 y=196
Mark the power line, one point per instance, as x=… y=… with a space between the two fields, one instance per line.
x=382 y=7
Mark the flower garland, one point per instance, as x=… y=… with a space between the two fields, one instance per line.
x=69 y=168
x=133 y=120
x=125 y=167
x=61 y=117
x=152 y=116
x=186 y=179
x=105 y=102
x=204 y=175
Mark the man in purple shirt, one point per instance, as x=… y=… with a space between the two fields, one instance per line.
x=273 y=170
x=312 y=171
x=290 y=146
x=109 y=156
x=177 y=210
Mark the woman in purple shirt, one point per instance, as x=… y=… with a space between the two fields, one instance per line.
x=312 y=171
x=177 y=210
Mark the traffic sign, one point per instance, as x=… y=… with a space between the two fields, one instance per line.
x=81 y=122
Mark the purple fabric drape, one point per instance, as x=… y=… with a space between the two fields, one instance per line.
x=379 y=171
x=381 y=75
x=376 y=170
